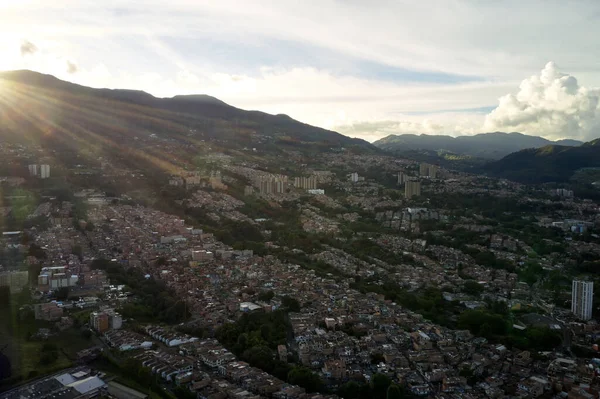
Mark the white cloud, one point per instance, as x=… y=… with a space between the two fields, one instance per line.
x=28 y=48
x=551 y=104
x=492 y=39
x=151 y=46
x=72 y=67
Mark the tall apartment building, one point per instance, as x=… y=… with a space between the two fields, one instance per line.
x=412 y=188
x=106 y=320
x=428 y=170
x=402 y=178
x=306 y=183
x=192 y=181
x=582 y=296
x=354 y=177
x=56 y=277
x=562 y=192
x=176 y=181
x=33 y=170
x=99 y=321
x=216 y=181
x=272 y=184
x=41 y=171
x=433 y=171
x=44 y=171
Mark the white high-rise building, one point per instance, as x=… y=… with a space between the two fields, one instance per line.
x=33 y=170
x=582 y=297
x=44 y=171
x=354 y=177
x=402 y=178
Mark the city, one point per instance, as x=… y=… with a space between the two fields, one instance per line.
x=326 y=281
x=299 y=200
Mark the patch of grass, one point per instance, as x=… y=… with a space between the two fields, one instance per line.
x=25 y=353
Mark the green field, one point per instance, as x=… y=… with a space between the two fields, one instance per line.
x=25 y=353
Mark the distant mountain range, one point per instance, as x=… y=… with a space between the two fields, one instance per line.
x=485 y=145
x=108 y=124
x=34 y=104
x=553 y=163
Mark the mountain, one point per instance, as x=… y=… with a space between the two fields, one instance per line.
x=484 y=145
x=553 y=163
x=34 y=105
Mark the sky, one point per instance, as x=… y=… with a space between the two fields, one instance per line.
x=363 y=68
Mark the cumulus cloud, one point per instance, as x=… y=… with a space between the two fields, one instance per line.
x=551 y=104
x=28 y=48
x=72 y=67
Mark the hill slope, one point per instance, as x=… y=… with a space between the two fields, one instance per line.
x=485 y=145
x=34 y=104
x=552 y=163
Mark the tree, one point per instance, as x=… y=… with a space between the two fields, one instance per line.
x=485 y=330
x=472 y=287
x=290 y=303
x=62 y=294
x=377 y=357
x=266 y=296
x=349 y=390
x=305 y=378
x=261 y=357
x=77 y=251
x=394 y=392
x=183 y=393
x=542 y=338
x=379 y=385
x=474 y=320
x=36 y=251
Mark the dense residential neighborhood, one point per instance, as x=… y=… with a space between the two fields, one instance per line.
x=465 y=290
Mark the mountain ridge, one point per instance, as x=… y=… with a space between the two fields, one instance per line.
x=552 y=163
x=493 y=145
x=193 y=111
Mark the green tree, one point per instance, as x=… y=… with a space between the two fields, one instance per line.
x=542 y=338
x=472 y=287
x=306 y=379
x=473 y=320
x=349 y=390
x=266 y=296
x=379 y=385
x=485 y=330
x=290 y=304
x=394 y=392
x=62 y=294
x=261 y=357
x=377 y=357
x=77 y=251
x=36 y=251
